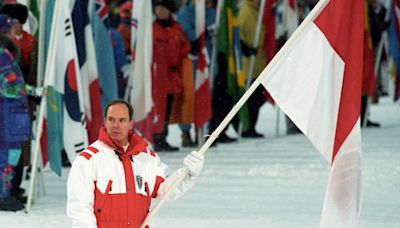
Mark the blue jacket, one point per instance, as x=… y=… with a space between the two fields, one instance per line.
x=14 y=115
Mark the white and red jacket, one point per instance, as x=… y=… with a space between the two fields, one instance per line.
x=110 y=187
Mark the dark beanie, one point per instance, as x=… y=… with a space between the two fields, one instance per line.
x=169 y=4
x=16 y=11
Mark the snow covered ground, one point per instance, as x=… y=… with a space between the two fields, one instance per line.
x=273 y=182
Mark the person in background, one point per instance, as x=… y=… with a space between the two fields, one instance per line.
x=22 y=38
x=247 y=19
x=112 y=182
x=187 y=19
x=14 y=115
x=27 y=63
x=170 y=47
x=377 y=25
x=124 y=26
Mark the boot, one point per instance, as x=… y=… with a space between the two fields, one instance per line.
x=160 y=144
x=187 y=141
x=10 y=204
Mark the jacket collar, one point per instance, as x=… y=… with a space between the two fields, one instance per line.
x=136 y=143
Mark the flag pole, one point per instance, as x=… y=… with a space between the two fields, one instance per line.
x=39 y=76
x=41 y=40
x=129 y=85
x=220 y=3
x=311 y=16
x=49 y=67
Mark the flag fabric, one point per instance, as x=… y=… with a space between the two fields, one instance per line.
x=394 y=42
x=369 y=77
x=269 y=43
x=228 y=37
x=87 y=67
x=328 y=111
x=141 y=44
x=34 y=9
x=49 y=7
x=65 y=116
x=104 y=53
x=202 y=102
x=290 y=16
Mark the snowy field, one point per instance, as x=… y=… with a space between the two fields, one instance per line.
x=278 y=181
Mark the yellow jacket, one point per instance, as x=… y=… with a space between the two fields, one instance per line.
x=247 y=20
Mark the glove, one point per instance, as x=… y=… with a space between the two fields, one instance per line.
x=194 y=162
x=126 y=70
x=211 y=31
x=246 y=50
x=195 y=47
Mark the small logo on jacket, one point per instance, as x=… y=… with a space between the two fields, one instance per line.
x=139 y=181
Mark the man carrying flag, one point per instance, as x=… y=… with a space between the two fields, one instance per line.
x=320 y=91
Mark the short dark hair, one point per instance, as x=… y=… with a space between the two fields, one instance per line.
x=119 y=101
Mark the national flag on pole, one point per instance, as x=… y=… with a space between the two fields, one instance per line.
x=65 y=116
x=141 y=44
x=290 y=16
x=229 y=44
x=316 y=80
x=202 y=102
x=87 y=67
x=104 y=53
x=394 y=41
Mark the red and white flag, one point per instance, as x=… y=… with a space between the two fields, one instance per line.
x=316 y=80
x=202 y=102
x=141 y=95
x=87 y=66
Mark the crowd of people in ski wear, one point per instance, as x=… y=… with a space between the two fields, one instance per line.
x=174 y=41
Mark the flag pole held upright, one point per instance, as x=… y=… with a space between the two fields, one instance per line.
x=49 y=66
x=214 y=42
x=312 y=15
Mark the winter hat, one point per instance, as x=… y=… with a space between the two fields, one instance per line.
x=169 y=4
x=6 y=23
x=15 y=10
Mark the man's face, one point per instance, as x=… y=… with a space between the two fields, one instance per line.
x=117 y=123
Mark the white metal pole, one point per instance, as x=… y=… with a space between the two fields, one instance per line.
x=220 y=3
x=311 y=16
x=49 y=68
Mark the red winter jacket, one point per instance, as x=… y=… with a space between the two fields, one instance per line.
x=110 y=187
x=170 y=47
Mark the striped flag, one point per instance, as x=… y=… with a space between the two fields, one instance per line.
x=65 y=116
x=229 y=45
x=328 y=111
x=202 y=102
x=87 y=67
x=141 y=44
x=104 y=53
